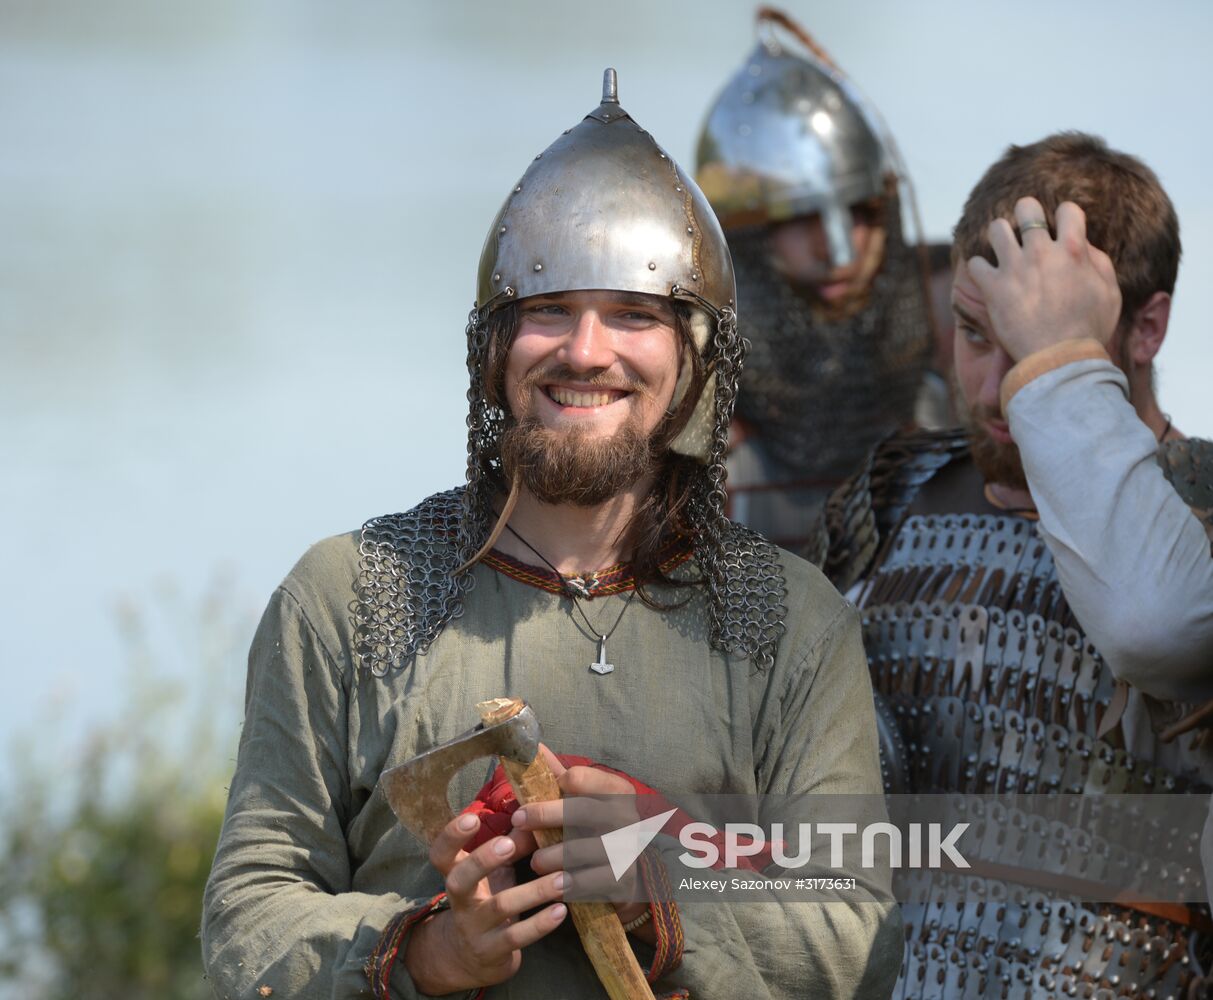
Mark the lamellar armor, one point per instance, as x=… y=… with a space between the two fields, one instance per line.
x=791 y=137
x=603 y=207
x=996 y=690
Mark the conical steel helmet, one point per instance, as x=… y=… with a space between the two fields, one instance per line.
x=790 y=136
x=605 y=207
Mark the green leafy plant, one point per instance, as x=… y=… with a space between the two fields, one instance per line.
x=101 y=877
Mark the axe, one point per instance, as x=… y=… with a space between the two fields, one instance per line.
x=417 y=793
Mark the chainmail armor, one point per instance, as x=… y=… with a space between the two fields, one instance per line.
x=820 y=393
x=407 y=588
x=745 y=588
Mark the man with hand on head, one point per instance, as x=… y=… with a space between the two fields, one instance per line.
x=587 y=567
x=1059 y=367
x=1038 y=590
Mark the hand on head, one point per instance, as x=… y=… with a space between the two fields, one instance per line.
x=1045 y=290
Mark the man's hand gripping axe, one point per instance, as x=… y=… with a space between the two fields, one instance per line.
x=417 y=793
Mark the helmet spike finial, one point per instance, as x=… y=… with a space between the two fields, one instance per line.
x=610 y=87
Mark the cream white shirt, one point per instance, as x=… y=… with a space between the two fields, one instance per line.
x=1133 y=559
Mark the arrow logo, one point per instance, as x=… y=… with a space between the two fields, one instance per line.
x=625 y=845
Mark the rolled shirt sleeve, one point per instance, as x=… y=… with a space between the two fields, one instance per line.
x=1133 y=559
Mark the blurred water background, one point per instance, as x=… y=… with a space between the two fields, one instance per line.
x=237 y=249
x=238 y=245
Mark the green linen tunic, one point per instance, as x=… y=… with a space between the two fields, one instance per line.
x=312 y=863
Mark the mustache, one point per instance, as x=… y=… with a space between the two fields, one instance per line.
x=598 y=380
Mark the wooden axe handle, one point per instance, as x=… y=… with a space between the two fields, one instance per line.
x=602 y=935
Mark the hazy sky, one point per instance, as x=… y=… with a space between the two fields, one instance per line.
x=240 y=241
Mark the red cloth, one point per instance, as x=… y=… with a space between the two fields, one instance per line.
x=495 y=804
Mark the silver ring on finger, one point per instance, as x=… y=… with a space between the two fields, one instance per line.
x=1034 y=224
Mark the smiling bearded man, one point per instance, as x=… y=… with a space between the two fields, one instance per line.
x=603 y=353
x=577 y=461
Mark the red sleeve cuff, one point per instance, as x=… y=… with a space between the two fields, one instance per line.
x=392 y=941
x=667 y=925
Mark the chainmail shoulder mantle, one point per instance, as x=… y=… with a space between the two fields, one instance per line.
x=407 y=590
x=868 y=506
x=748 y=598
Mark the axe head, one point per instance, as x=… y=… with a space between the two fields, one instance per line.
x=417 y=789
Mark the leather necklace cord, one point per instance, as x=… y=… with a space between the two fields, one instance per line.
x=571 y=592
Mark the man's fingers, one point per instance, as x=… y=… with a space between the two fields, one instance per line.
x=539 y=815
x=548 y=859
x=983 y=273
x=542 y=815
x=521 y=933
x=447 y=847
x=573 y=856
x=594 y=781
x=598 y=813
x=465 y=875
x=524 y=840
x=1031 y=222
x=589 y=874
x=599 y=883
x=1002 y=239
x=515 y=900
x=1071 y=227
x=512 y=901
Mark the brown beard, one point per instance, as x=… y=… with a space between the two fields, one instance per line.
x=997 y=463
x=572 y=466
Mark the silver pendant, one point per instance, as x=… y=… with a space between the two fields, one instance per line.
x=600 y=666
x=580 y=586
